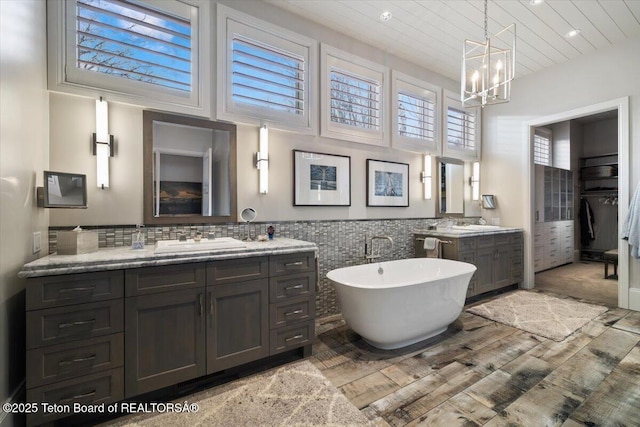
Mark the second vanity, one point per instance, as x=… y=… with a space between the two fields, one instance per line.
x=118 y=323
x=497 y=252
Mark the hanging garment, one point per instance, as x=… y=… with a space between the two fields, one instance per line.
x=586 y=223
x=631 y=228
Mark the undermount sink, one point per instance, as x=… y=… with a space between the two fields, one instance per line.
x=475 y=227
x=175 y=246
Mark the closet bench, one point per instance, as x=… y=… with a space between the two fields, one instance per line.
x=610 y=256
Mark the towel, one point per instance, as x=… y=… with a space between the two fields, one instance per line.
x=631 y=228
x=432 y=246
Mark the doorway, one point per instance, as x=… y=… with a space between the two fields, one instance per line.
x=620 y=107
x=576 y=197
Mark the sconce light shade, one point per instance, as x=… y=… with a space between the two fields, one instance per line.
x=102 y=144
x=262 y=159
x=425 y=177
x=475 y=181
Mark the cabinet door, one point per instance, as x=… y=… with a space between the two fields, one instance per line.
x=238 y=324
x=502 y=267
x=164 y=339
x=484 y=273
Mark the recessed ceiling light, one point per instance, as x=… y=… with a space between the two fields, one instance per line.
x=536 y=2
x=385 y=16
x=572 y=33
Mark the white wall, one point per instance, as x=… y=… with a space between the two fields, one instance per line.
x=574 y=84
x=24 y=132
x=72 y=122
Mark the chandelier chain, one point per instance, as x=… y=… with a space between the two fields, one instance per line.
x=486 y=26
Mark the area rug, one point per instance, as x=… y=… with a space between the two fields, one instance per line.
x=296 y=394
x=540 y=314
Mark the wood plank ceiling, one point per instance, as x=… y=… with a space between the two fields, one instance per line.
x=431 y=33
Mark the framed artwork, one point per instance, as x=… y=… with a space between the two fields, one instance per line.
x=321 y=179
x=387 y=183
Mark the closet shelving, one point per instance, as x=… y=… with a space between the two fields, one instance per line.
x=599 y=174
x=599 y=186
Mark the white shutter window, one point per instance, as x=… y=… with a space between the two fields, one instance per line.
x=266 y=77
x=135 y=42
x=355 y=100
x=415 y=112
x=353 y=105
x=265 y=73
x=416 y=117
x=145 y=53
x=461 y=128
x=542 y=147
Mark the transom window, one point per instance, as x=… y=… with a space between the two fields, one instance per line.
x=134 y=42
x=265 y=73
x=355 y=100
x=461 y=129
x=140 y=52
x=416 y=117
x=542 y=147
x=267 y=77
x=353 y=92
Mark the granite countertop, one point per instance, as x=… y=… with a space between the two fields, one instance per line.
x=462 y=232
x=125 y=257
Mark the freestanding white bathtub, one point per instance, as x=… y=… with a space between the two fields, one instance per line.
x=393 y=304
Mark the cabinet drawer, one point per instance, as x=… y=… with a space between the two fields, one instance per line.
x=501 y=239
x=104 y=387
x=291 y=286
x=290 y=337
x=468 y=244
x=485 y=241
x=515 y=239
x=291 y=311
x=164 y=278
x=70 y=360
x=237 y=270
x=55 y=291
x=292 y=263
x=64 y=324
x=469 y=257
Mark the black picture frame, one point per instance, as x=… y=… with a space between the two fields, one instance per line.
x=321 y=179
x=387 y=183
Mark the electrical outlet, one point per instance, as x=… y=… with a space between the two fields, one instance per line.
x=37 y=242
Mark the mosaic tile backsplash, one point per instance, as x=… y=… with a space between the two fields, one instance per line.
x=340 y=243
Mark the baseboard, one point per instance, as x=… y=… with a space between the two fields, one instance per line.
x=6 y=419
x=634 y=299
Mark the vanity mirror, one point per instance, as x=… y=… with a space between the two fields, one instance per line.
x=450 y=187
x=189 y=170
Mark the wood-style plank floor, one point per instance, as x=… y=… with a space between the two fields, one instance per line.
x=481 y=372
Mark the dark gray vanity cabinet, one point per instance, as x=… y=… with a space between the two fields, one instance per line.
x=74 y=340
x=498 y=258
x=105 y=336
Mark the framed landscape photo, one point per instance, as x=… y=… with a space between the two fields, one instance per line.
x=387 y=183
x=321 y=179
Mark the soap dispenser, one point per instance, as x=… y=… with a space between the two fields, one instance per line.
x=137 y=239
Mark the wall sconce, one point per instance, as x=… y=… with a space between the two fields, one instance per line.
x=474 y=181
x=262 y=159
x=102 y=143
x=425 y=177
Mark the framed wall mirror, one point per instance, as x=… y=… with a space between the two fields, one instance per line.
x=189 y=170
x=450 y=187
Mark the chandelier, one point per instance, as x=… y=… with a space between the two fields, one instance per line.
x=488 y=67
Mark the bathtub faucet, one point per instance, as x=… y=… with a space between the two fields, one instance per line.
x=375 y=254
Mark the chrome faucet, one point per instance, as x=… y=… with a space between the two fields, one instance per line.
x=369 y=257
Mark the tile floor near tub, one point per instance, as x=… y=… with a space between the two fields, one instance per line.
x=485 y=373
